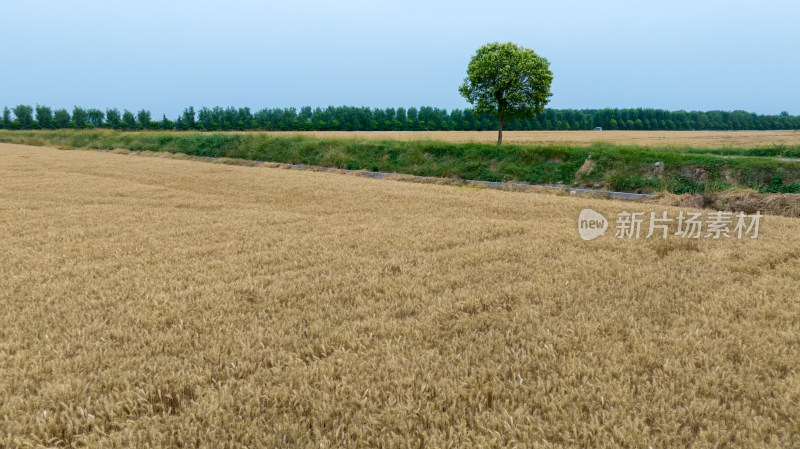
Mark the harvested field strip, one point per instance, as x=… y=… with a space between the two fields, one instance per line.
x=673 y=139
x=163 y=302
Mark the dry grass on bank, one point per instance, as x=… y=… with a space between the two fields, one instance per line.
x=735 y=200
x=176 y=303
x=698 y=139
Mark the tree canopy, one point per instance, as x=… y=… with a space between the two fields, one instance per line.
x=507 y=81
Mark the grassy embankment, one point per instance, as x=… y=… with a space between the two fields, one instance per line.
x=627 y=168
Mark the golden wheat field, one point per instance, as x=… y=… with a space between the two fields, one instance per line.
x=155 y=302
x=701 y=139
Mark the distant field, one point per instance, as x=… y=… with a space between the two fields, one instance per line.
x=704 y=139
x=160 y=302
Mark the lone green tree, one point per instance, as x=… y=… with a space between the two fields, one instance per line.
x=508 y=82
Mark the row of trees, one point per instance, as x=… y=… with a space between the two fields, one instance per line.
x=349 y=118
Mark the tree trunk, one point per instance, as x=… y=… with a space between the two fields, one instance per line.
x=500 y=132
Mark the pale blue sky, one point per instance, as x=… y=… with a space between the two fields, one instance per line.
x=166 y=55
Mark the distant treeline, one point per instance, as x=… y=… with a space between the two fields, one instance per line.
x=349 y=118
